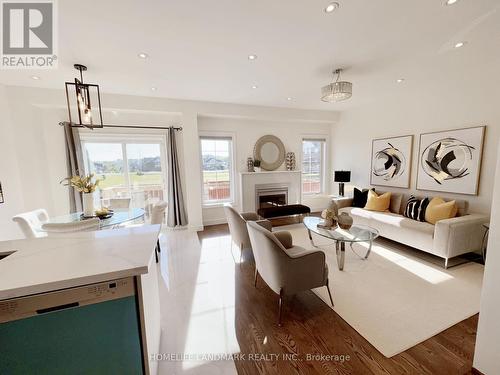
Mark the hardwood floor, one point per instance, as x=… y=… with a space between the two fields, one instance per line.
x=312 y=328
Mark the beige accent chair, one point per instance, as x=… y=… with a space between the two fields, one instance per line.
x=238 y=226
x=77 y=226
x=284 y=267
x=31 y=222
x=157 y=217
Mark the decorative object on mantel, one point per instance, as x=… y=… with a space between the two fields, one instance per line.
x=250 y=165
x=87 y=186
x=270 y=151
x=1 y=194
x=345 y=221
x=290 y=161
x=256 y=166
x=341 y=177
x=330 y=216
x=450 y=161
x=391 y=161
x=336 y=91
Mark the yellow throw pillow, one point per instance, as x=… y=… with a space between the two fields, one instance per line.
x=378 y=203
x=438 y=209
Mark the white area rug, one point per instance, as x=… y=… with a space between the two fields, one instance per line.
x=395 y=299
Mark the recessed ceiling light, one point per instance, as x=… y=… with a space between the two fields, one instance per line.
x=143 y=55
x=400 y=80
x=450 y=2
x=331 y=7
x=252 y=57
x=153 y=88
x=288 y=98
x=460 y=44
x=254 y=86
x=36 y=78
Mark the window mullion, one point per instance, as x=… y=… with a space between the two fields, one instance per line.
x=125 y=169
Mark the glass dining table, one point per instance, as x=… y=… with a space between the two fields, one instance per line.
x=119 y=217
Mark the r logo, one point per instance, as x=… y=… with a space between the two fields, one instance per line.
x=27 y=28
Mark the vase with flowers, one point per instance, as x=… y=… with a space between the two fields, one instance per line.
x=87 y=186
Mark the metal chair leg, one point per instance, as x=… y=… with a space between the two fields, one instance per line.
x=158 y=245
x=156 y=256
x=329 y=293
x=241 y=253
x=256 y=275
x=282 y=295
x=446 y=264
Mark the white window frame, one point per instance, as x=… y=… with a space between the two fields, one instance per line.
x=232 y=170
x=324 y=141
x=99 y=136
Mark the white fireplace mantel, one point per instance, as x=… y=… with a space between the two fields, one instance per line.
x=249 y=181
x=270 y=172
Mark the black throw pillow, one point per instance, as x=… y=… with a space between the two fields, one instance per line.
x=415 y=208
x=360 y=198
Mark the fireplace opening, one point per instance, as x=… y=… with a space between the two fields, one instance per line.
x=271 y=196
x=272 y=200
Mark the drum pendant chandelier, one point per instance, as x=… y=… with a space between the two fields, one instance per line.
x=337 y=90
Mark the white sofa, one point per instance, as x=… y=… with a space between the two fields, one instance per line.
x=446 y=239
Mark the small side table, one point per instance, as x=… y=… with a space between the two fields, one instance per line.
x=486 y=227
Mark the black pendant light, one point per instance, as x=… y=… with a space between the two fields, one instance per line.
x=84 y=102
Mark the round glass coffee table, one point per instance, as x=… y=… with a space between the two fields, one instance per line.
x=357 y=233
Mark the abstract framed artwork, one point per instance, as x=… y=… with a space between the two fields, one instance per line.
x=450 y=161
x=391 y=161
x=1 y=194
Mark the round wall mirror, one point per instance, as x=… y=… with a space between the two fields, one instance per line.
x=270 y=151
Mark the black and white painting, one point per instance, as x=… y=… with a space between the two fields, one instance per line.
x=1 y=194
x=450 y=161
x=391 y=161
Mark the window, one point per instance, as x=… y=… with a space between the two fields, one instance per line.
x=313 y=160
x=217 y=169
x=127 y=169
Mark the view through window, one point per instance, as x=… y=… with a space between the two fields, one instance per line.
x=128 y=170
x=216 y=157
x=313 y=151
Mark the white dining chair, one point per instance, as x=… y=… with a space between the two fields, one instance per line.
x=119 y=203
x=157 y=217
x=31 y=222
x=77 y=226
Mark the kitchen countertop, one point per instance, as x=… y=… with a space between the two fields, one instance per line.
x=67 y=260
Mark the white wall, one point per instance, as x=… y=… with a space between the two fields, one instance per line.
x=486 y=352
x=441 y=100
x=9 y=173
x=32 y=143
x=246 y=132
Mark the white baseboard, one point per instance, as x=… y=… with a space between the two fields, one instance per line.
x=215 y=221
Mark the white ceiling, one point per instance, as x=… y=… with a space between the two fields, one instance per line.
x=198 y=49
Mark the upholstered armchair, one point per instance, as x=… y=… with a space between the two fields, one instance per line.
x=284 y=267
x=157 y=217
x=78 y=226
x=31 y=222
x=238 y=226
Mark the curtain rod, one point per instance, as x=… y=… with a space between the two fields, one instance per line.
x=119 y=126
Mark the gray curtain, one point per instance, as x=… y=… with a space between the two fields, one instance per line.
x=74 y=161
x=176 y=212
